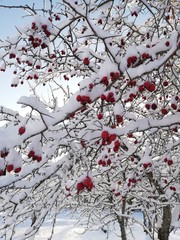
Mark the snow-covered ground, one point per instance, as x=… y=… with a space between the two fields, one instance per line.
x=66 y=229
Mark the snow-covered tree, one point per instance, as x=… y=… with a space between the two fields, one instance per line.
x=113 y=146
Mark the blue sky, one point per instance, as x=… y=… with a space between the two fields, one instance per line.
x=8 y=20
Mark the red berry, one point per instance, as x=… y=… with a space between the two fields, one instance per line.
x=38 y=66
x=83 y=99
x=1 y=172
x=21 y=130
x=100 y=162
x=117 y=143
x=44 y=26
x=165 y=83
x=134 y=59
x=86 y=61
x=36 y=76
x=119 y=118
x=100 y=21
x=117 y=194
x=44 y=45
x=31 y=154
x=12 y=55
x=174 y=106
x=129 y=61
x=164 y=111
x=9 y=167
x=147 y=84
x=145 y=55
x=110 y=95
x=87 y=181
x=177 y=98
x=38 y=158
x=17 y=170
x=147 y=106
x=152 y=87
x=103 y=97
x=3 y=153
x=105 y=81
x=145 y=165
x=115 y=149
x=91 y=85
x=170 y=162
x=141 y=88
x=110 y=99
x=103 y=163
x=112 y=137
x=154 y=106
x=80 y=186
x=116 y=75
x=90 y=187
x=109 y=162
x=78 y=98
x=104 y=135
x=100 y=116
x=130 y=135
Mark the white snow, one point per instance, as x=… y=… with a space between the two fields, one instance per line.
x=67 y=229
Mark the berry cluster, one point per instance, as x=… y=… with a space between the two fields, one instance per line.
x=131 y=60
x=132 y=181
x=34 y=156
x=172 y=188
x=104 y=162
x=151 y=87
x=86 y=183
x=168 y=161
x=113 y=76
x=153 y=106
x=119 y=118
x=83 y=99
x=146 y=165
x=6 y=165
x=109 y=97
x=135 y=60
x=107 y=139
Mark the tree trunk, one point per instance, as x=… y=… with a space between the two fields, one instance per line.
x=121 y=221
x=164 y=231
x=123 y=229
